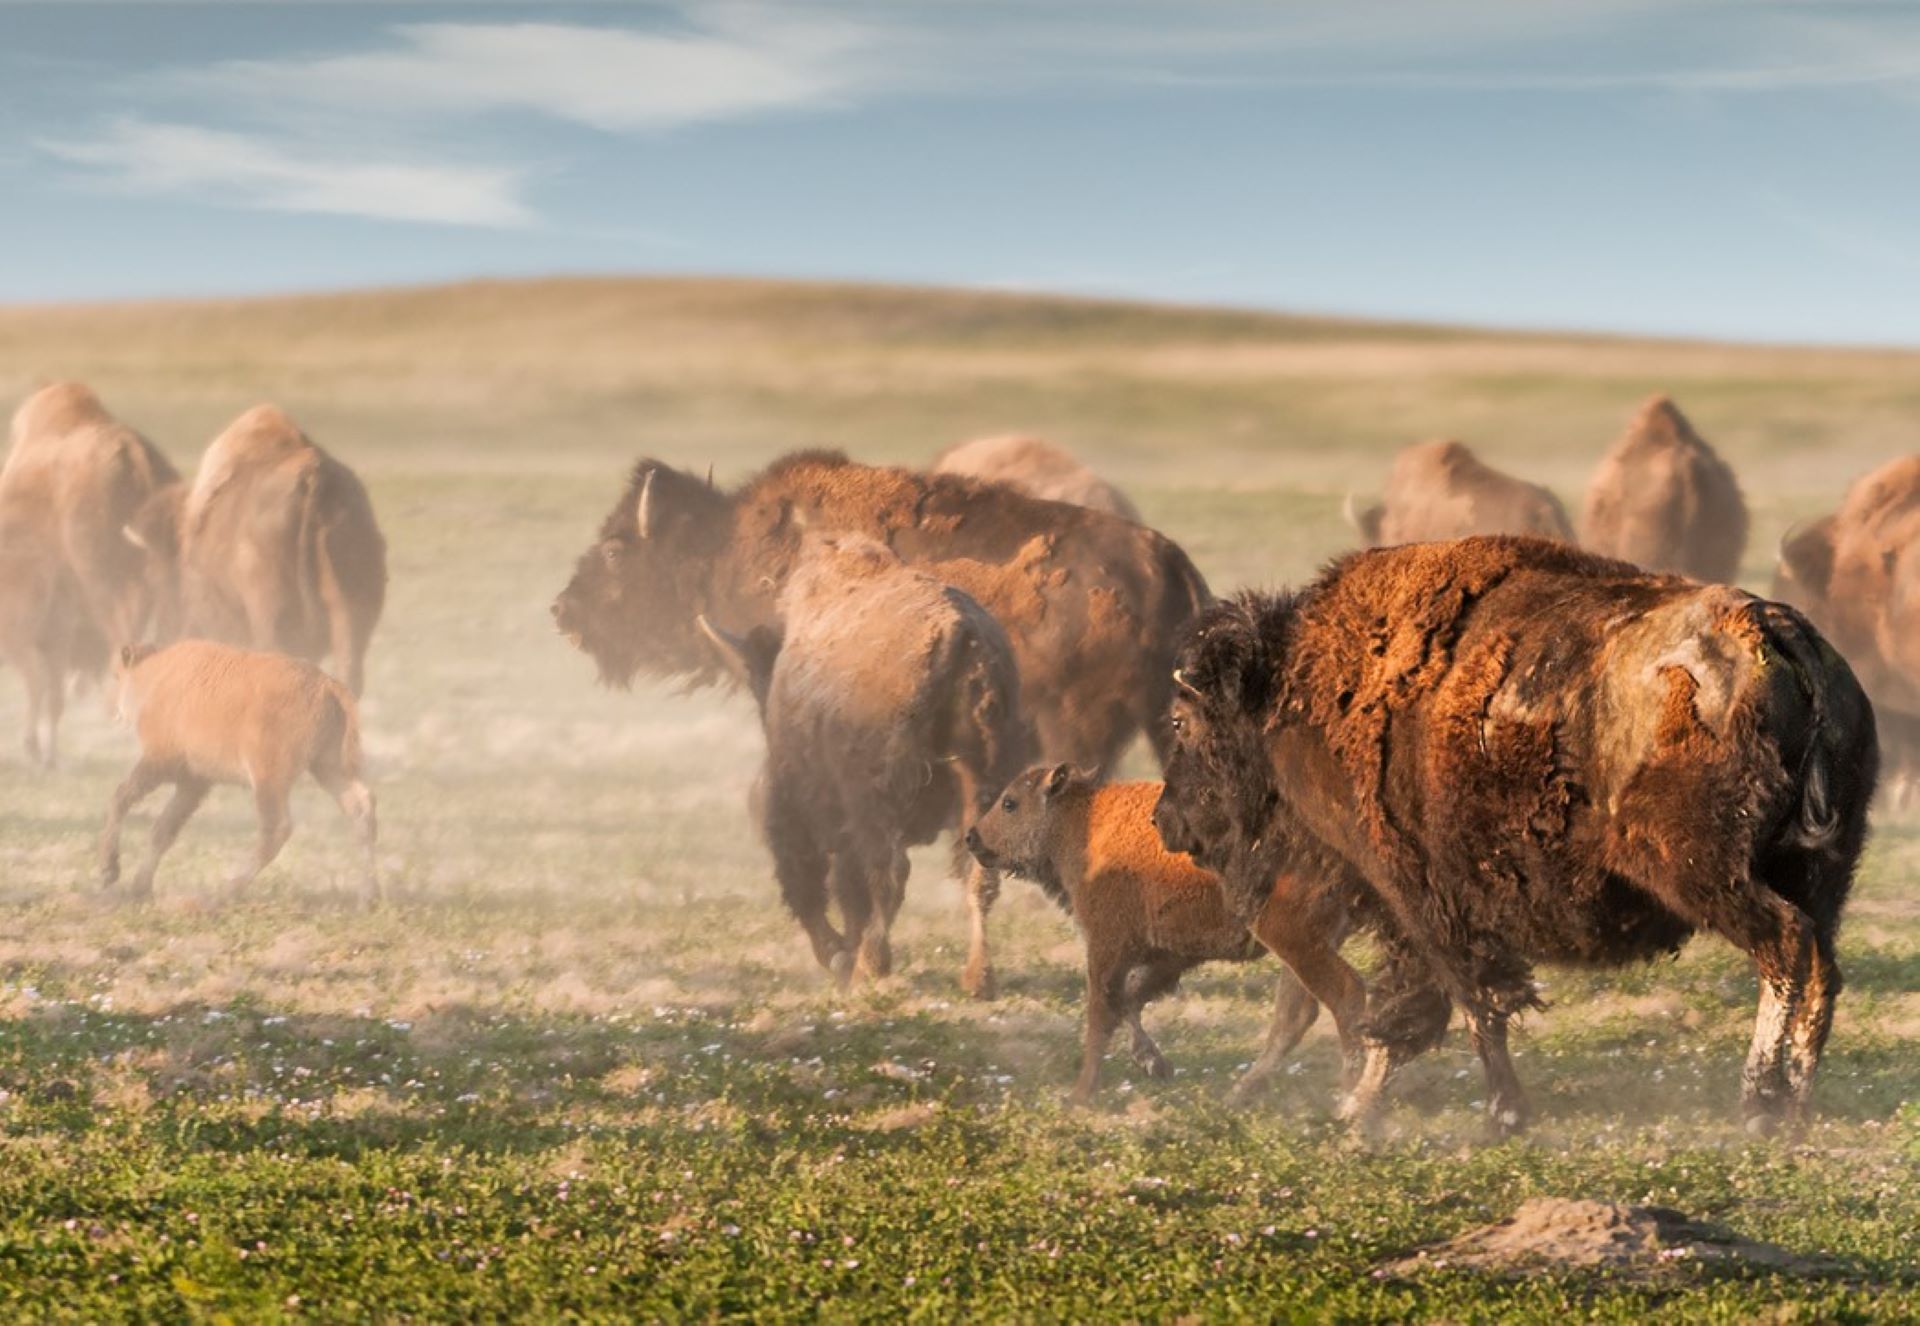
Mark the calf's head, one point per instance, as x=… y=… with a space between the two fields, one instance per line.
x=1020 y=830
x=635 y=593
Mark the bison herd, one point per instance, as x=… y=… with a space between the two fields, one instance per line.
x=1476 y=740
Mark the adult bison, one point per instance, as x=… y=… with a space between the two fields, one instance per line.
x=277 y=546
x=1531 y=753
x=1089 y=602
x=890 y=703
x=74 y=476
x=1663 y=499
x=1441 y=490
x=1037 y=468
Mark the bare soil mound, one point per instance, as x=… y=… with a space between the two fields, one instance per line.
x=1637 y=1242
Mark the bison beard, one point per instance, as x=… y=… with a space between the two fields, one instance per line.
x=1533 y=754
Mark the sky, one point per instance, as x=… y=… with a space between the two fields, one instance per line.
x=1692 y=167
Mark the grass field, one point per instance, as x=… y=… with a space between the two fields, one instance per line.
x=583 y=1065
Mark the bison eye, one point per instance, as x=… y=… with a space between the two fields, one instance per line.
x=610 y=553
x=1008 y=803
x=1177 y=723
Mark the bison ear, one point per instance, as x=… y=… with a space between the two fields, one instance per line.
x=643 y=509
x=1057 y=779
x=126 y=656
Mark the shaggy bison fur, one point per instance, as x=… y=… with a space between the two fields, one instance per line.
x=1090 y=603
x=891 y=708
x=1663 y=499
x=1531 y=753
x=1148 y=916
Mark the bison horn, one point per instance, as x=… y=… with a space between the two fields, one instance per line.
x=1794 y=531
x=709 y=475
x=644 y=517
x=1180 y=680
x=132 y=535
x=731 y=648
x=1350 y=508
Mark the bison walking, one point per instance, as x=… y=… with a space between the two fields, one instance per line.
x=1531 y=753
x=73 y=587
x=276 y=545
x=1441 y=490
x=891 y=708
x=1663 y=499
x=1090 y=603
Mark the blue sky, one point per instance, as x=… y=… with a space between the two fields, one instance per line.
x=1735 y=170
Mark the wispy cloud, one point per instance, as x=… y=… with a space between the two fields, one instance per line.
x=734 y=64
x=241 y=170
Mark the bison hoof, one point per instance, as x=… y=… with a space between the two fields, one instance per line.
x=979 y=982
x=1504 y=1121
x=1156 y=1066
x=1762 y=1125
x=841 y=969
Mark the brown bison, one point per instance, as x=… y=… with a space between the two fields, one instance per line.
x=207 y=713
x=890 y=703
x=1089 y=602
x=1037 y=468
x=277 y=546
x=1149 y=916
x=1531 y=753
x=1441 y=490
x=1664 y=499
x=74 y=476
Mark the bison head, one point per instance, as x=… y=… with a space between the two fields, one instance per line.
x=634 y=597
x=1220 y=795
x=154 y=532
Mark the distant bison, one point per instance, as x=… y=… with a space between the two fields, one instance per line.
x=74 y=476
x=1148 y=916
x=1664 y=500
x=1037 y=468
x=1441 y=490
x=277 y=546
x=1531 y=753
x=890 y=703
x=1089 y=602
x=206 y=713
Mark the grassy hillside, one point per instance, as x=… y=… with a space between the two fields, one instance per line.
x=585 y=1064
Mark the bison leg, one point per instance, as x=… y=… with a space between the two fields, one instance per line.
x=801 y=865
x=43 y=682
x=1144 y=984
x=1294 y=1011
x=983 y=890
x=1507 y=1108
x=276 y=826
x=1308 y=943
x=356 y=802
x=865 y=884
x=1106 y=973
x=1407 y=1015
x=135 y=788
x=1808 y=1034
x=188 y=793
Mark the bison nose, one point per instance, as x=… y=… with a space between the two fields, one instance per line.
x=556 y=609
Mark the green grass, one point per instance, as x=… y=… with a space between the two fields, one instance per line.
x=583 y=1065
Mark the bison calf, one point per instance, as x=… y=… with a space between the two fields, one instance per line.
x=208 y=713
x=1149 y=916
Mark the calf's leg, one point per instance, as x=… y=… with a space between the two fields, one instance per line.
x=1294 y=1011
x=136 y=787
x=276 y=826
x=356 y=802
x=1106 y=974
x=983 y=890
x=1144 y=984
x=188 y=793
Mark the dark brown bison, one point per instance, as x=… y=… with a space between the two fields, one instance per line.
x=277 y=546
x=1441 y=490
x=1090 y=603
x=74 y=476
x=1037 y=468
x=1149 y=916
x=1531 y=753
x=890 y=703
x=1663 y=499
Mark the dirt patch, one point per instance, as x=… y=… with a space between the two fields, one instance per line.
x=1635 y=1242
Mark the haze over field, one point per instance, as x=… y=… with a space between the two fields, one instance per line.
x=585 y=1062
